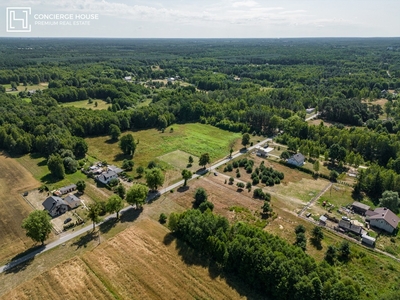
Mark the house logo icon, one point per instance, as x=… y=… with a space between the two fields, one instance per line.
x=18 y=19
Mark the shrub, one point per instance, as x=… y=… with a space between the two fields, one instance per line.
x=231 y=180
x=229 y=167
x=258 y=193
x=249 y=169
x=206 y=205
x=238 y=175
x=163 y=218
x=256 y=180
x=235 y=164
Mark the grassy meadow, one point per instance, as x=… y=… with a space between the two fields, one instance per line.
x=101 y=104
x=193 y=139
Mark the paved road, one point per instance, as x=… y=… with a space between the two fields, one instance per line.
x=65 y=238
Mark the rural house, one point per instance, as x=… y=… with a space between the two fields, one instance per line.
x=297 y=160
x=72 y=201
x=55 y=206
x=106 y=177
x=359 y=208
x=383 y=218
x=349 y=227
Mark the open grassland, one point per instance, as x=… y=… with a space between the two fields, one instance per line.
x=37 y=166
x=179 y=159
x=21 y=88
x=194 y=139
x=101 y=104
x=14 y=180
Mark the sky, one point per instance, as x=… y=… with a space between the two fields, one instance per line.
x=200 y=19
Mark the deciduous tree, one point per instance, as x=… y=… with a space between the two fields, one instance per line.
x=94 y=213
x=154 y=178
x=127 y=144
x=186 y=175
x=56 y=166
x=37 y=225
x=245 y=139
x=81 y=186
x=114 y=204
x=137 y=195
x=204 y=160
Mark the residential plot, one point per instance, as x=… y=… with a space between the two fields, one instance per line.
x=14 y=181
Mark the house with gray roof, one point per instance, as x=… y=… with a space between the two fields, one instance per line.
x=350 y=227
x=55 y=206
x=383 y=218
x=106 y=177
x=67 y=189
x=72 y=201
x=297 y=160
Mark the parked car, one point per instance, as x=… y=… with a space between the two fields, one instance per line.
x=67 y=220
x=346 y=219
x=308 y=215
x=215 y=174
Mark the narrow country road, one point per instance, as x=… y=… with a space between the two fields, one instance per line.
x=85 y=229
x=312 y=117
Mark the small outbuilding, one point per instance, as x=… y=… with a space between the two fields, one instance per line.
x=67 y=189
x=368 y=240
x=350 y=227
x=72 y=201
x=322 y=220
x=360 y=208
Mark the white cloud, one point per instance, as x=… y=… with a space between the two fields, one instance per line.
x=248 y=3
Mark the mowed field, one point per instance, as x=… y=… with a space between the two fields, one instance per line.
x=14 y=180
x=142 y=262
x=101 y=104
x=194 y=139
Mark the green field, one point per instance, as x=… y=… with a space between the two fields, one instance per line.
x=101 y=104
x=179 y=159
x=38 y=167
x=21 y=88
x=194 y=139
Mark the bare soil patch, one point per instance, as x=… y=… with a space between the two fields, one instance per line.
x=14 y=181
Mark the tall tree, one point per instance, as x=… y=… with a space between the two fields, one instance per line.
x=154 y=178
x=186 y=175
x=56 y=166
x=94 y=213
x=245 y=139
x=37 y=225
x=121 y=191
x=81 y=186
x=114 y=204
x=317 y=236
x=115 y=132
x=204 y=160
x=390 y=200
x=316 y=166
x=127 y=144
x=137 y=195
x=200 y=196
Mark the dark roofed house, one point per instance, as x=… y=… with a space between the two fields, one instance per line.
x=360 y=208
x=67 y=189
x=55 y=206
x=106 y=177
x=72 y=201
x=297 y=160
x=383 y=218
x=348 y=226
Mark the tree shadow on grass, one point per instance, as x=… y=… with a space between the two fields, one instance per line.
x=22 y=260
x=111 y=141
x=317 y=244
x=121 y=156
x=130 y=215
x=108 y=225
x=49 y=179
x=84 y=240
x=182 y=189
